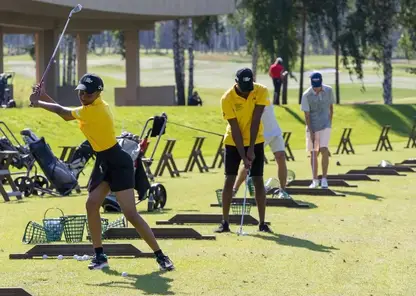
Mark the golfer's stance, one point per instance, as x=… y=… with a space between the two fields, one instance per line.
x=317 y=103
x=113 y=168
x=242 y=106
x=274 y=139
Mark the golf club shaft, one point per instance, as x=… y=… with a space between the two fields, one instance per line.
x=55 y=51
x=244 y=203
x=196 y=129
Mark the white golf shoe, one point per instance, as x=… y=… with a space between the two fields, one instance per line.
x=314 y=184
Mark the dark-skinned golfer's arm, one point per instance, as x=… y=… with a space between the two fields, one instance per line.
x=255 y=124
x=237 y=137
x=63 y=112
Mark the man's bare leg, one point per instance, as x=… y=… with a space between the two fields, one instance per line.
x=260 y=195
x=242 y=174
x=227 y=196
x=282 y=168
x=314 y=164
x=325 y=161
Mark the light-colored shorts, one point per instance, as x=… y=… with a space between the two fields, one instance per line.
x=276 y=143
x=321 y=139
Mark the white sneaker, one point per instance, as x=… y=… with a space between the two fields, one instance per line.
x=314 y=184
x=324 y=183
x=284 y=195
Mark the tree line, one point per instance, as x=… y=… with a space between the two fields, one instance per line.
x=352 y=30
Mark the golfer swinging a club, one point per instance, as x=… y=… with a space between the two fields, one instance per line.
x=242 y=106
x=113 y=168
x=317 y=103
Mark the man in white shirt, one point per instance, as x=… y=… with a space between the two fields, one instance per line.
x=274 y=139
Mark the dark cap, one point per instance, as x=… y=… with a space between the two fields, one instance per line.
x=90 y=83
x=244 y=79
x=316 y=79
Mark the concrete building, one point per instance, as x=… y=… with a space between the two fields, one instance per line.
x=46 y=19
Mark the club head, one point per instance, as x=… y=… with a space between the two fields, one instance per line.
x=76 y=9
x=241 y=233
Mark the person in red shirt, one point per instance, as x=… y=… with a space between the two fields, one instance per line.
x=276 y=72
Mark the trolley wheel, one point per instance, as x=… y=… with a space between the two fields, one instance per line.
x=160 y=196
x=39 y=182
x=25 y=185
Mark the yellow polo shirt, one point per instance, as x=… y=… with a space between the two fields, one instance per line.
x=97 y=124
x=234 y=106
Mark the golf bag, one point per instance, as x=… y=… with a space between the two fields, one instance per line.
x=6 y=97
x=81 y=156
x=57 y=172
x=19 y=161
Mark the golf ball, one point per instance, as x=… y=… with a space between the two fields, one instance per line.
x=45 y=256
x=124 y=274
x=75 y=257
x=60 y=257
x=85 y=257
x=79 y=258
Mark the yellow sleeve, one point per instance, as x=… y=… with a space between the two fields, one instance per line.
x=263 y=97
x=79 y=113
x=227 y=109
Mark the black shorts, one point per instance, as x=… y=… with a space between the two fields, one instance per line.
x=233 y=160
x=114 y=166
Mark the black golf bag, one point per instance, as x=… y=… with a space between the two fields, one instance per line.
x=6 y=99
x=83 y=153
x=23 y=159
x=57 y=172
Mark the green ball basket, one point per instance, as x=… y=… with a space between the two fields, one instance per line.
x=34 y=234
x=54 y=227
x=74 y=227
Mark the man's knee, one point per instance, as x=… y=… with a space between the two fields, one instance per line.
x=280 y=156
x=229 y=181
x=324 y=150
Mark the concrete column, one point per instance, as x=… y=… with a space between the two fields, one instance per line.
x=1 y=51
x=45 y=42
x=132 y=44
x=82 y=48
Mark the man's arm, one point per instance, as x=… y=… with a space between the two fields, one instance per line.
x=237 y=137
x=308 y=121
x=255 y=123
x=63 y=112
x=331 y=112
x=305 y=108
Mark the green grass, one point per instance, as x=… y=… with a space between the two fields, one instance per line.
x=360 y=244
x=366 y=121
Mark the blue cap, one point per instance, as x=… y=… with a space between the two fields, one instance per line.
x=316 y=79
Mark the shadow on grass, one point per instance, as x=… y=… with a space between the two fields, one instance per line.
x=311 y=205
x=295 y=242
x=149 y=284
x=386 y=115
x=155 y=212
x=369 y=196
x=295 y=116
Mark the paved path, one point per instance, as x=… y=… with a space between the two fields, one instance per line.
x=159 y=71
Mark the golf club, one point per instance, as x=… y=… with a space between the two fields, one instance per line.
x=240 y=231
x=76 y=9
x=313 y=159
